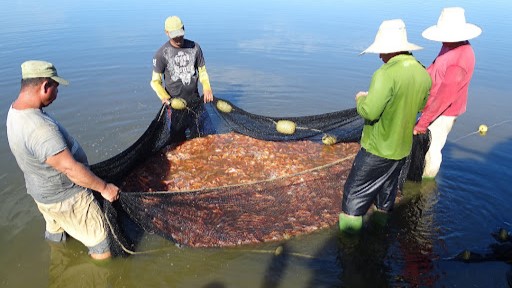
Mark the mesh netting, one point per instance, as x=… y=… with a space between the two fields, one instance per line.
x=420 y=145
x=229 y=214
x=241 y=214
x=154 y=138
x=345 y=125
x=113 y=170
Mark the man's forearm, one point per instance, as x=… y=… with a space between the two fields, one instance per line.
x=156 y=85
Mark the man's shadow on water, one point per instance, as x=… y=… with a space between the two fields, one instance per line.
x=340 y=262
x=495 y=163
x=364 y=260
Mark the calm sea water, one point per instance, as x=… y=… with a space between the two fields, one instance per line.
x=279 y=58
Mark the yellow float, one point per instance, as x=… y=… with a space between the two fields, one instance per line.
x=329 y=139
x=178 y=103
x=286 y=127
x=482 y=129
x=224 y=106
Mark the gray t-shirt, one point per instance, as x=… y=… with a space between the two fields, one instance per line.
x=34 y=136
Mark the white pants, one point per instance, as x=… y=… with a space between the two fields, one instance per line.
x=439 y=130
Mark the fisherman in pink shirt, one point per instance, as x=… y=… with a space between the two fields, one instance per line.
x=451 y=73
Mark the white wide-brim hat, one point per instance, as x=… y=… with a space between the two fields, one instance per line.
x=452 y=27
x=391 y=38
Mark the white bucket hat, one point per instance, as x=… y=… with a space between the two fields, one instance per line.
x=452 y=27
x=391 y=37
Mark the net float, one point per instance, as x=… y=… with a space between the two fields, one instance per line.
x=503 y=234
x=482 y=129
x=466 y=255
x=178 y=103
x=278 y=251
x=329 y=139
x=224 y=106
x=286 y=127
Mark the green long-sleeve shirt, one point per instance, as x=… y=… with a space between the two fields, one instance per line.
x=398 y=91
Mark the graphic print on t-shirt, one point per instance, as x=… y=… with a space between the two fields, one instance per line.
x=180 y=65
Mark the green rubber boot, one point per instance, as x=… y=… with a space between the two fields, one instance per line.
x=380 y=218
x=350 y=224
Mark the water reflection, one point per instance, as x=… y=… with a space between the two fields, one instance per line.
x=415 y=229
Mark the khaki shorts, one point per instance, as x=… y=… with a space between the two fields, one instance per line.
x=79 y=216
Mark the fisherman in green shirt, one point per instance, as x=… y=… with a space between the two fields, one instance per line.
x=398 y=92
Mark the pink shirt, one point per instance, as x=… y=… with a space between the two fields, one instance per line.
x=451 y=73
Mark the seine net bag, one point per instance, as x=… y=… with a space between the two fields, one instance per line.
x=308 y=159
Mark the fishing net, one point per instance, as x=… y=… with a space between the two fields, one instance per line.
x=261 y=179
x=340 y=126
x=416 y=161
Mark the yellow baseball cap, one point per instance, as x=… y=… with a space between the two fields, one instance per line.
x=41 y=69
x=174 y=26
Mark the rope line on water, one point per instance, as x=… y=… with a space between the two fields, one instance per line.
x=277 y=253
x=479 y=132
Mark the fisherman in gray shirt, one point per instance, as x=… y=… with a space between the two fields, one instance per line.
x=54 y=165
